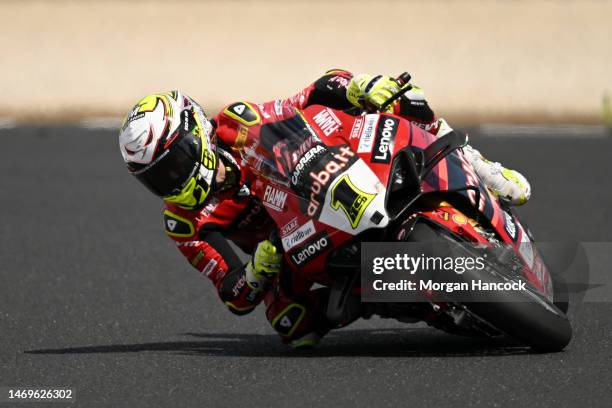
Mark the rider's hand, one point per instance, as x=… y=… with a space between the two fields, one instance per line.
x=265 y=264
x=365 y=90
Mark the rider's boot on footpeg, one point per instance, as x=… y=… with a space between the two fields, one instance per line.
x=510 y=185
x=307 y=341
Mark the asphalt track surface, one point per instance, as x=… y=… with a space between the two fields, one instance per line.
x=94 y=297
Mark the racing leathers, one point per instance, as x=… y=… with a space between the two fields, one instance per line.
x=295 y=311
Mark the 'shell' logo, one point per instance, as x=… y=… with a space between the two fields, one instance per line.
x=385 y=137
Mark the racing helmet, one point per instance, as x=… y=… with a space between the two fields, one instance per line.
x=168 y=144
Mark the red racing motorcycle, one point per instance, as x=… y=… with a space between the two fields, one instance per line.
x=331 y=181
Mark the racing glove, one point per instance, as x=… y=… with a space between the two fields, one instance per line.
x=366 y=91
x=263 y=266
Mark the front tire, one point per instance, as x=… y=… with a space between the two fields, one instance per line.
x=523 y=315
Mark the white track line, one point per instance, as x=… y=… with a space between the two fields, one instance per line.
x=106 y=123
x=590 y=131
x=492 y=130
x=6 y=123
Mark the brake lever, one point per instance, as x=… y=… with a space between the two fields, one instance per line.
x=395 y=96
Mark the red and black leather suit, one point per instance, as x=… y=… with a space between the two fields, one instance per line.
x=203 y=235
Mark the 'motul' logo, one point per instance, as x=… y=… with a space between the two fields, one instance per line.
x=385 y=137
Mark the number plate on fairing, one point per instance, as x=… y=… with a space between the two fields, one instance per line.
x=355 y=201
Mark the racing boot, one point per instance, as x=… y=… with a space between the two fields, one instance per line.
x=306 y=342
x=509 y=185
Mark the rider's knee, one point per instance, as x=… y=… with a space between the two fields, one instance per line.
x=299 y=324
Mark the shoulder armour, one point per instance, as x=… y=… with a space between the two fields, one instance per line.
x=243 y=112
x=177 y=226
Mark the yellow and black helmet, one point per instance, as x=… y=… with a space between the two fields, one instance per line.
x=168 y=144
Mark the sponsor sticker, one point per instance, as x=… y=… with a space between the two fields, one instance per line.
x=310 y=156
x=210 y=207
x=262 y=109
x=311 y=249
x=240 y=283
x=460 y=219
x=357 y=126
x=299 y=235
x=188 y=243
x=366 y=139
x=303 y=148
x=343 y=82
x=510 y=225
x=327 y=121
x=278 y=107
x=322 y=176
x=385 y=138
x=210 y=266
x=274 y=198
x=288 y=227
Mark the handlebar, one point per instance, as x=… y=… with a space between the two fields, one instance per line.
x=402 y=80
x=404 y=83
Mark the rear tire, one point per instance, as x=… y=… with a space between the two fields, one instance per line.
x=524 y=316
x=561 y=294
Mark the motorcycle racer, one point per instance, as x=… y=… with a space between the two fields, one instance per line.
x=192 y=162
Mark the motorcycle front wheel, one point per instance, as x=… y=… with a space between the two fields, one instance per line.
x=524 y=315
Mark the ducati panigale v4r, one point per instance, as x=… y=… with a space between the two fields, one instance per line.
x=331 y=181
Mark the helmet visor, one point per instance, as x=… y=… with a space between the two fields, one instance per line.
x=170 y=172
